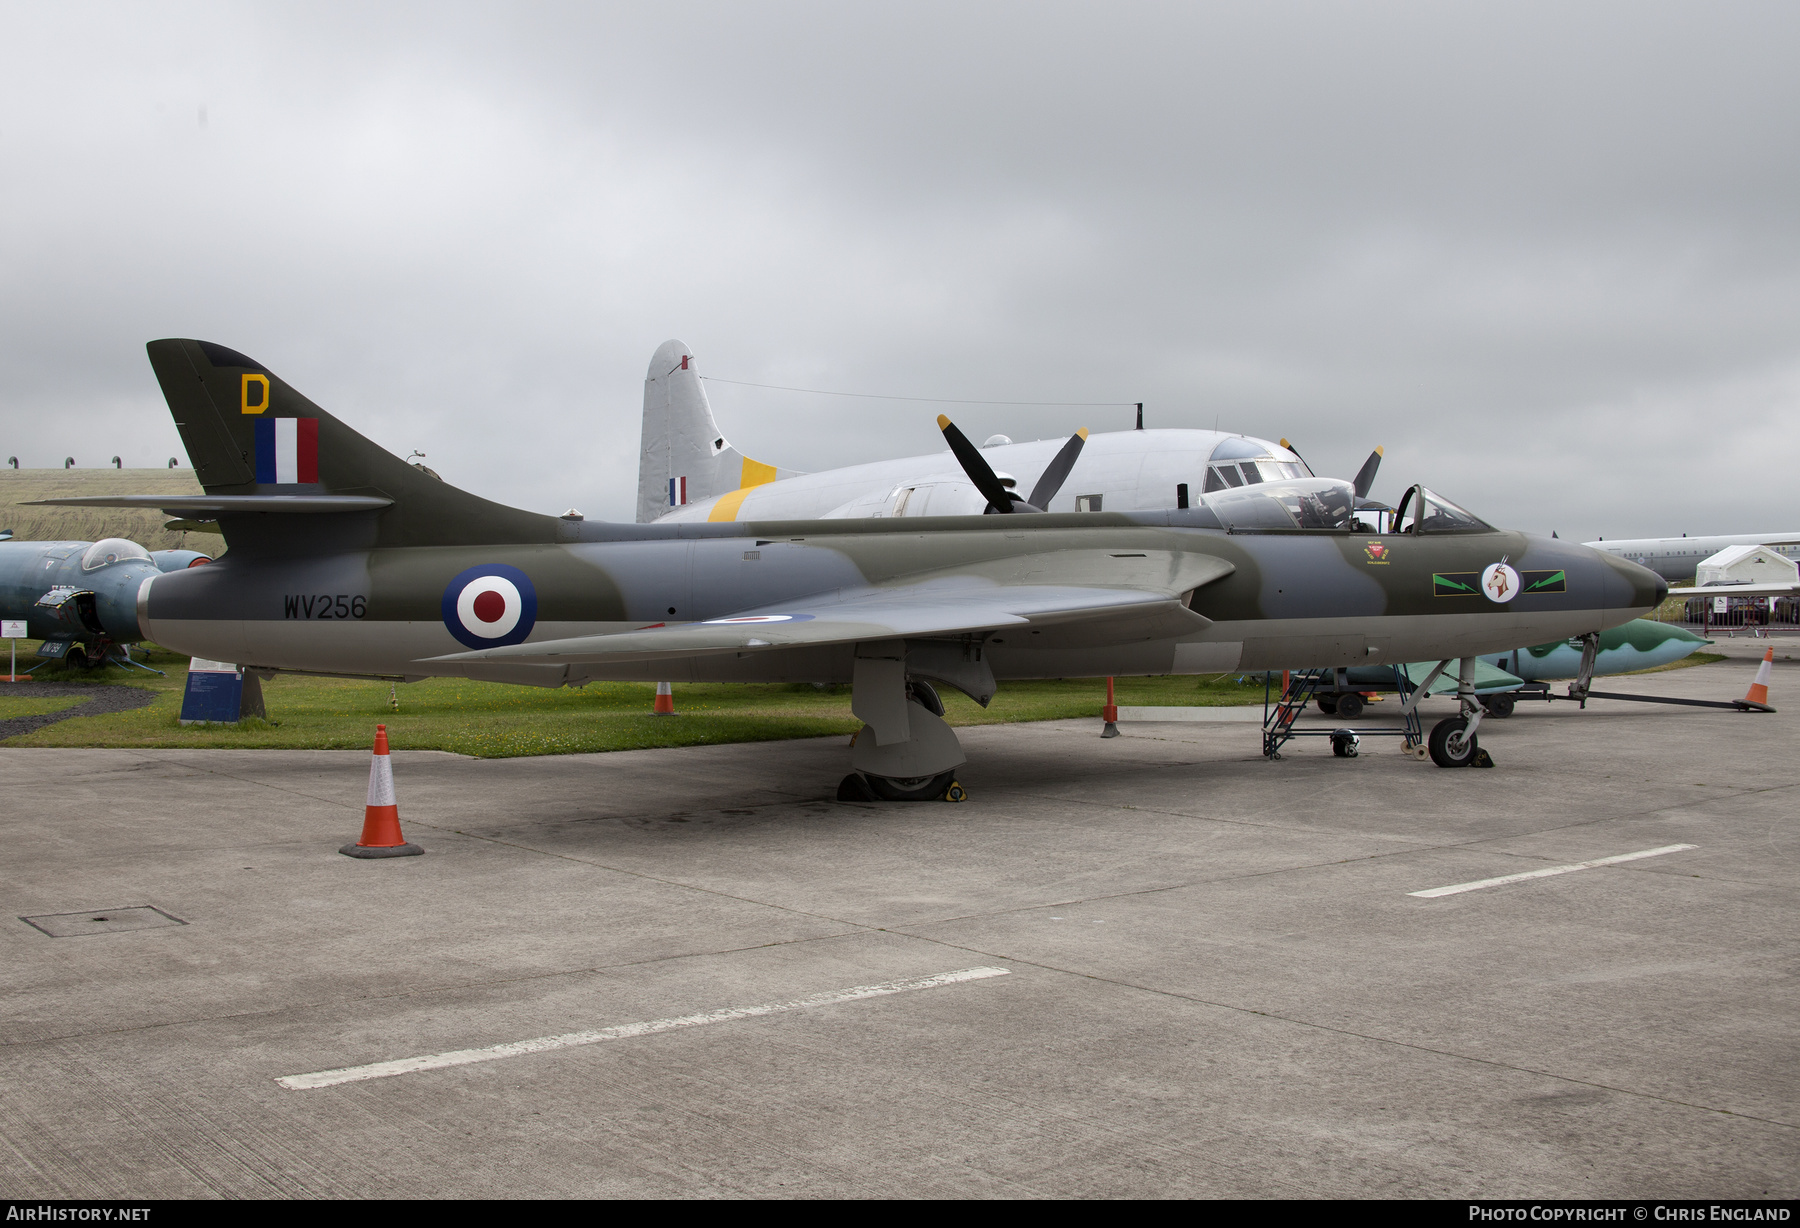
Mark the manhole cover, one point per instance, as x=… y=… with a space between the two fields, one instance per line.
x=102 y=921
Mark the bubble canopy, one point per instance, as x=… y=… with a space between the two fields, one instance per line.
x=1425 y=511
x=112 y=550
x=1301 y=503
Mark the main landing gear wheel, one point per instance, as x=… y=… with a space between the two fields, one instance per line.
x=1449 y=748
x=1349 y=705
x=912 y=789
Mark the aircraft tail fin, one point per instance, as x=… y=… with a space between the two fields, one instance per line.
x=683 y=456
x=278 y=464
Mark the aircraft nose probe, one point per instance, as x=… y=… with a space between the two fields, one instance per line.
x=988 y=483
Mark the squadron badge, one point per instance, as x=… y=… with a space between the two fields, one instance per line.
x=1500 y=582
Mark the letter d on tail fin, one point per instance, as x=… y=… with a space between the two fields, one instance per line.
x=683 y=456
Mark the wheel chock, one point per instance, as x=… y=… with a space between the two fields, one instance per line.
x=1482 y=759
x=956 y=793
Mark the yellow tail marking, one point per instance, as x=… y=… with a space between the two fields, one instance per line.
x=755 y=473
x=727 y=506
x=262 y=397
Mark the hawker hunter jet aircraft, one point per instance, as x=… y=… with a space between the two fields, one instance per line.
x=346 y=560
x=688 y=472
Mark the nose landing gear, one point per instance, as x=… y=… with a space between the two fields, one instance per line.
x=1453 y=742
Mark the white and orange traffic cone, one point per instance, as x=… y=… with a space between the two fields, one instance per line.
x=381 y=817
x=665 y=700
x=1756 y=699
x=1110 y=713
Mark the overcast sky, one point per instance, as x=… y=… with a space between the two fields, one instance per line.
x=1549 y=255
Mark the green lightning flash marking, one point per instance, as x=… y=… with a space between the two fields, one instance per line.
x=1552 y=583
x=1455 y=584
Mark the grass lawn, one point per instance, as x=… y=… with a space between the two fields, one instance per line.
x=19 y=701
x=493 y=720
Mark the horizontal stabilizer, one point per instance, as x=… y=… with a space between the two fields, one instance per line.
x=1487 y=678
x=217 y=505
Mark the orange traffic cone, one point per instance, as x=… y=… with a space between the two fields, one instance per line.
x=1110 y=713
x=1756 y=699
x=665 y=700
x=381 y=817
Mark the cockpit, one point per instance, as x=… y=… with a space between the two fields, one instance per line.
x=1296 y=503
x=1425 y=511
x=111 y=550
x=1242 y=461
x=1328 y=505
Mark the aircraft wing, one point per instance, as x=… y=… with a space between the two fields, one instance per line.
x=1777 y=589
x=1488 y=678
x=943 y=606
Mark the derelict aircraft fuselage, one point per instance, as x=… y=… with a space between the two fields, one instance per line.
x=344 y=559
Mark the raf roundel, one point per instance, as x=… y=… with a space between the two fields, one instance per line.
x=490 y=606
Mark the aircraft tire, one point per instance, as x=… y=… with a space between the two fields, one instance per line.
x=1440 y=744
x=1349 y=705
x=855 y=788
x=915 y=789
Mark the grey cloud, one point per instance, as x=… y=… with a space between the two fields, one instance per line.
x=1546 y=254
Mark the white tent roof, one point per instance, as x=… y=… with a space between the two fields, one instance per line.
x=1735 y=554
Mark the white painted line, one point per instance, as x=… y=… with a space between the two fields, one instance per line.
x=541 y=1044
x=1435 y=892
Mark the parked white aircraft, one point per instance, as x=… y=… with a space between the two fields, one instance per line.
x=688 y=472
x=1677 y=558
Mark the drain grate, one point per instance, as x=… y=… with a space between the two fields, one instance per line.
x=102 y=921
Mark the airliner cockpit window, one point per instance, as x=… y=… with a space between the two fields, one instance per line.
x=1306 y=503
x=111 y=550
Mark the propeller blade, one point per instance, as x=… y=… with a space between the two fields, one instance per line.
x=1057 y=472
x=975 y=465
x=1365 y=477
x=1296 y=451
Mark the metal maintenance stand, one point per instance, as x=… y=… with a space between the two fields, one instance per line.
x=1280 y=712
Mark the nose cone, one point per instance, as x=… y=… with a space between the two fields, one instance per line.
x=1631 y=587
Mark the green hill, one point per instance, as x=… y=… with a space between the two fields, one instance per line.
x=19 y=486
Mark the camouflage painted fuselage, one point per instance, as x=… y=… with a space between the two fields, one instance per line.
x=349 y=605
